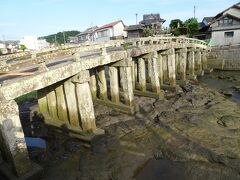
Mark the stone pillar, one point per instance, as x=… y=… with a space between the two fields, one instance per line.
x=183 y=63
x=70 y=92
x=154 y=73
x=93 y=83
x=160 y=68
x=133 y=74
x=149 y=74
x=198 y=60
x=165 y=68
x=204 y=60
x=52 y=102
x=191 y=63
x=42 y=100
x=13 y=145
x=177 y=63
x=61 y=103
x=102 y=83
x=126 y=81
x=114 y=86
x=84 y=100
x=142 y=74
x=171 y=67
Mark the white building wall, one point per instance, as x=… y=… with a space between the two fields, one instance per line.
x=30 y=42
x=119 y=30
x=33 y=43
x=219 y=39
x=2 y=45
x=105 y=38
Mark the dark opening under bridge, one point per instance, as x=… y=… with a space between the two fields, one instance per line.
x=70 y=80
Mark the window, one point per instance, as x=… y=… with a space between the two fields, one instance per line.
x=102 y=33
x=229 y=34
x=226 y=21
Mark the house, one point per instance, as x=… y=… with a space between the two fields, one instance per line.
x=72 y=39
x=223 y=29
x=87 y=35
x=33 y=43
x=204 y=31
x=153 y=22
x=2 y=45
x=135 y=31
x=111 y=31
x=3 y=49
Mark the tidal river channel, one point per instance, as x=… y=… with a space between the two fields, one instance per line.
x=191 y=134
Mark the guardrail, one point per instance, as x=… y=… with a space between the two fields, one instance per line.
x=68 y=49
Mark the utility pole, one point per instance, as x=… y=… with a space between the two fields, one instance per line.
x=136 y=18
x=194 y=12
x=64 y=40
x=55 y=38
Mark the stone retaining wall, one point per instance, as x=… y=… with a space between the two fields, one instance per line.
x=230 y=55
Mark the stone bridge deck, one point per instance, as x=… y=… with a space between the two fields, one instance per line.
x=69 y=80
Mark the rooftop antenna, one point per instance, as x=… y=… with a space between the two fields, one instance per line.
x=194 y=12
x=136 y=18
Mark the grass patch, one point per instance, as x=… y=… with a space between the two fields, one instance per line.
x=30 y=97
x=126 y=46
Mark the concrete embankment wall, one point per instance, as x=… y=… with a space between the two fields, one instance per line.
x=226 y=58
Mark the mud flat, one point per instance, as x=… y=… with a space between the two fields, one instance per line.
x=192 y=134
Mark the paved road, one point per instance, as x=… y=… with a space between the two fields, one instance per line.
x=57 y=61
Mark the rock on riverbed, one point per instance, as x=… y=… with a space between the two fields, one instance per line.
x=194 y=134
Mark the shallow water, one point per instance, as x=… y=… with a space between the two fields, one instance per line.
x=223 y=81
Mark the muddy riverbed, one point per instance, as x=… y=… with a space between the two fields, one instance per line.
x=192 y=134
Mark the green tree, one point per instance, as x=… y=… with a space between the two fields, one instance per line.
x=175 y=23
x=58 y=38
x=192 y=26
x=176 y=32
x=147 y=32
x=177 y=27
x=22 y=47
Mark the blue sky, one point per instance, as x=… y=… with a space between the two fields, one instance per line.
x=43 y=17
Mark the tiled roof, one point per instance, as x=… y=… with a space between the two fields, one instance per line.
x=208 y=19
x=148 y=19
x=89 y=30
x=135 y=27
x=109 y=25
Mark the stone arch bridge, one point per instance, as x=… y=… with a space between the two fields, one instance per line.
x=70 y=80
